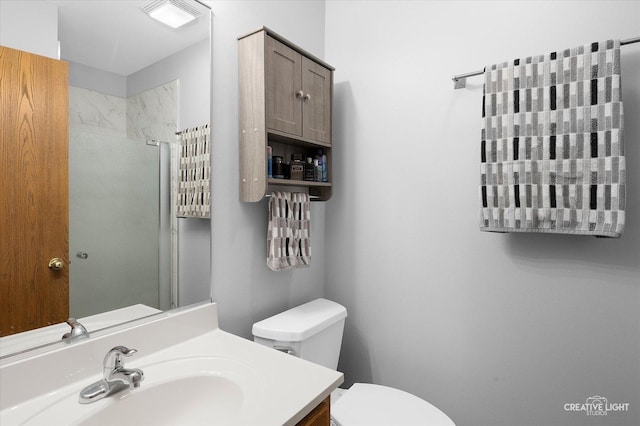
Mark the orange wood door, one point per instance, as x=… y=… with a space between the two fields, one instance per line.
x=34 y=212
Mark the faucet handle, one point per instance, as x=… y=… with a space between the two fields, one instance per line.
x=77 y=331
x=113 y=359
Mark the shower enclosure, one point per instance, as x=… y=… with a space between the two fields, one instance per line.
x=121 y=243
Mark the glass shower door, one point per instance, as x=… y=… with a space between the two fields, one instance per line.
x=114 y=220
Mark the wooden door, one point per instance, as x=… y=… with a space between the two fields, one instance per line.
x=284 y=88
x=34 y=224
x=316 y=112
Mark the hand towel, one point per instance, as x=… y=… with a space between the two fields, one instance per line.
x=552 y=151
x=288 y=232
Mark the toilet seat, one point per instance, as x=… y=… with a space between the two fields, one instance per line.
x=375 y=405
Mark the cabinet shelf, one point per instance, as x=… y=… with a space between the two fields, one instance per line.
x=274 y=135
x=290 y=182
x=285 y=100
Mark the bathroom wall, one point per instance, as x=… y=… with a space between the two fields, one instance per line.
x=245 y=289
x=191 y=67
x=494 y=329
x=98 y=80
x=31 y=26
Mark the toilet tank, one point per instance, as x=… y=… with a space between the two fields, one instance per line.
x=312 y=331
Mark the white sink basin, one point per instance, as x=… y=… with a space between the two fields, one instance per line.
x=194 y=390
x=194 y=374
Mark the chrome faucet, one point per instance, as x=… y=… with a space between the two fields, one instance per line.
x=77 y=331
x=115 y=377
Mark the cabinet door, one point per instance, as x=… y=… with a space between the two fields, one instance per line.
x=320 y=416
x=284 y=90
x=316 y=85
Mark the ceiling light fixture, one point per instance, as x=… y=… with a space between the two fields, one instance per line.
x=174 y=13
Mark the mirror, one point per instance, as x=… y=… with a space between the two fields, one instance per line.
x=134 y=83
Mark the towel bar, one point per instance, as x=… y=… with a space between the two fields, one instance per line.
x=312 y=197
x=460 y=81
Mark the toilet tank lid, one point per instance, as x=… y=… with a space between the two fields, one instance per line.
x=301 y=322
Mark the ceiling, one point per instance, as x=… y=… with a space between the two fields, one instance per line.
x=116 y=36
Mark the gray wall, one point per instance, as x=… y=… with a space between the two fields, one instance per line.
x=31 y=26
x=191 y=67
x=244 y=287
x=494 y=329
x=96 y=79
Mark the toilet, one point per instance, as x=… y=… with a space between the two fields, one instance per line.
x=313 y=332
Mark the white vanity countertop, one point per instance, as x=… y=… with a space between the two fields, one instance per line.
x=15 y=343
x=284 y=388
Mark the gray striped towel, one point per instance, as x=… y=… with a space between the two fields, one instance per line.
x=552 y=151
x=289 y=233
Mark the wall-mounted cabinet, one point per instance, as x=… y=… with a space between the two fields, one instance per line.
x=285 y=97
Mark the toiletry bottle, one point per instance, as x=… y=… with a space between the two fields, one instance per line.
x=322 y=159
x=318 y=171
x=297 y=167
x=325 y=169
x=309 y=170
x=269 y=161
x=278 y=167
x=287 y=170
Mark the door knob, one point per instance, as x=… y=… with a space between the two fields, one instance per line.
x=56 y=264
x=299 y=94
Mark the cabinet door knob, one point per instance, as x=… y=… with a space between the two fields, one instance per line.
x=307 y=97
x=299 y=94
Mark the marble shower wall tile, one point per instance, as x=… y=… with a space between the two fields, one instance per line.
x=97 y=112
x=153 y=114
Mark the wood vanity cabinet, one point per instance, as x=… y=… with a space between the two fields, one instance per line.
x=285 y=97
x=320 y=416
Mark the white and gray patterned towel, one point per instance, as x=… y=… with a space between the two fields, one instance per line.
x=289 y=231
x=552 y=151
x=194 y=178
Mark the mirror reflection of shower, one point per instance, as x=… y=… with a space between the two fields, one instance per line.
x=120 y=62
x=122 y=220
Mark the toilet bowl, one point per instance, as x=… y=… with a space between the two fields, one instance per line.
x=313 y=331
